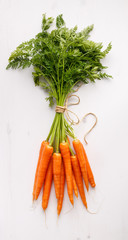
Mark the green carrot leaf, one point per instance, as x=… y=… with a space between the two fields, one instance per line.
x=61 y=58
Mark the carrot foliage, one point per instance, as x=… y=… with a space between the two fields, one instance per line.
x=60 y=58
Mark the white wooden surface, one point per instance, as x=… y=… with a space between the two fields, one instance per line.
x=25 y=119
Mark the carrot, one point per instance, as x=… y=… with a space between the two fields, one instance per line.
x=57 y=172
x=78 y=178
x=89 y=170
x=80 y=154
x=44 y=160
x=38 y=163
x=64 y=148
x=61 y=196
x=74 y=186
x=47 y=185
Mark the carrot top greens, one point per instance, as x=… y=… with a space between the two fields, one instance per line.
x=61 y=58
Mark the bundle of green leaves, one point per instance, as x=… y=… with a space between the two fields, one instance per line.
x=61 y=58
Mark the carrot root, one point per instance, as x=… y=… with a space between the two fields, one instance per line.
x=80 y=155
x=47 y=185
x=62 y=183
x=45 y=158
x=64 y=148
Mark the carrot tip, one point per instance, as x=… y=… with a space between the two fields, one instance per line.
x=35 y=198
x=72 y=201
x=86 y=205
x=58 y=213
x=57 y=196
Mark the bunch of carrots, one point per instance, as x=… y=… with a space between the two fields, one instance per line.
x=60 y=165
x=61 y=58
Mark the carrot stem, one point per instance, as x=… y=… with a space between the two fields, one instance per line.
x=63 y=128
x=60 y=128
x=69 y=129
x=72 y=153
x=51 y=129
x=57 y=137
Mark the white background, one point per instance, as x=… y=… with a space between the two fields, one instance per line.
x=25 y=119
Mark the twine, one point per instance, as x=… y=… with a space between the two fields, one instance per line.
x=64 y=109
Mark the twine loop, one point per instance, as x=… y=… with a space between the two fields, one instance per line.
x=64 y=109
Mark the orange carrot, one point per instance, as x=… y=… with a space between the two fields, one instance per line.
x=44 y=161
x=57 y=172
x=78 y=178
x=64 y=148
x=47 y=185
x=74 y=186
x=40 y=153
x=89 y=170
x=80 y=154
x=62 y=183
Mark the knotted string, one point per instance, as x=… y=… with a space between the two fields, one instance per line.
x=64 y=109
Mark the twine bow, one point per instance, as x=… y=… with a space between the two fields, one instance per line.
x=64 y=109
